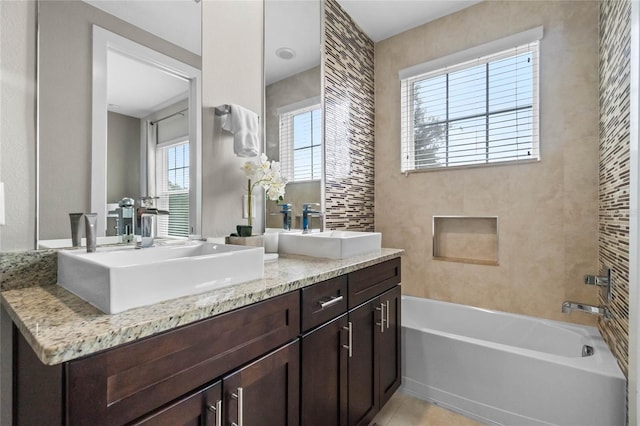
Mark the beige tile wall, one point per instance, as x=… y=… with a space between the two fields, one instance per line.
x=547 y=210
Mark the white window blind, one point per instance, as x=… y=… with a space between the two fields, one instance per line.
x=478 y=112
x=172 y=180
x=301 y=144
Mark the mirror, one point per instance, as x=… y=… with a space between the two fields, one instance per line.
x=76 y=166
x=293 y=105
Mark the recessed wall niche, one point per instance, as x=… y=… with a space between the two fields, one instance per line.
x=466 y=239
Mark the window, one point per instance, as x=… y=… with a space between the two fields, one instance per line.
x=476 y=112
x=172 y=180
x=301 y=143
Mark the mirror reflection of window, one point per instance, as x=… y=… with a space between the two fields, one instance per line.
x=301 y=144
x=172 y=174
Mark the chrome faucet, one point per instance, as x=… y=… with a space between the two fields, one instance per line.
x=148 y=226
x=307 y=213
x=146 y=221
x=125 y=223
x=568 y=307
x=286 y=216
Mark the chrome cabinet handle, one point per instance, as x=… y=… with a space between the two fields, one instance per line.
x=349 y=347
x=387 y=313
x=217 y=410
x=331 y=301
x=238 y=396
x=381 y=323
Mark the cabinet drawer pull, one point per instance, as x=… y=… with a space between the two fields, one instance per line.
x=238 y=396
x=349 y=347
x=325 y=303
x=387 y=313
x=217 y=410
x=382 y=318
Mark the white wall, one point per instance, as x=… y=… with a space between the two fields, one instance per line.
x=17 y=153
x=232 y=74
x=17 y=123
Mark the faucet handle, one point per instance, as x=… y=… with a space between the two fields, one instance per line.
x=148 y=201
x=306 y=206
x=126 y=202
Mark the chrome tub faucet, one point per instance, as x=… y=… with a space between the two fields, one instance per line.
x=568 y=307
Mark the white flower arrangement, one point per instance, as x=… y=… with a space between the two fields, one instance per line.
x=267 y=175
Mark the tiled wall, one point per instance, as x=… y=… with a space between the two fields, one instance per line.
x=547 y=210
x=349 y=122
x=615 y=45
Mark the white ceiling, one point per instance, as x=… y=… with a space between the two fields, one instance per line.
x=296 y=24
x=292 y=24
x=178 y=21
x=288 y=23
x=138 y=89
x=381 y=19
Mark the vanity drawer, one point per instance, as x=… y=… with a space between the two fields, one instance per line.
x=369 y=282
x=323 y=301
x=119 y=385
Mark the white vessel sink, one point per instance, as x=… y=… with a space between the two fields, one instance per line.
x=330 y=244
x=116 y=279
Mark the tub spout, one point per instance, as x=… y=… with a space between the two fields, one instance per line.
x=568 y=307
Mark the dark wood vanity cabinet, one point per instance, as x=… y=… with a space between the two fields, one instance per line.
x=133 y=382
x=308 y=357
x=351 y=364
x=390 y=372
x=364 y=400
x=265 y=392
x=374 y=365
x=323 y=377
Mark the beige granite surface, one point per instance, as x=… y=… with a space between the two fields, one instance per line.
x=60 y=327
x=27 y=268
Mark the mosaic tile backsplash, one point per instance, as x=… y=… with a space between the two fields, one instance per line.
x=349 y=122
x=615 y=48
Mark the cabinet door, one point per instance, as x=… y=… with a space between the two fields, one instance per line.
x=390 y=371
x=363 y=363
x=199 y=409
x=265 y=392
x=324 y=375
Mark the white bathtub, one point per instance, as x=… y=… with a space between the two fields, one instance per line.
x=507 y=369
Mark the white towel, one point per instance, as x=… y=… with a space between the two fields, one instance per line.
x=243 y=123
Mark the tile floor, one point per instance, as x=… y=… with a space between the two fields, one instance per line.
x=404 y=410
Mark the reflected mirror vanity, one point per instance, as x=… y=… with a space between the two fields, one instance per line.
x=119 y=111
x=293 y=103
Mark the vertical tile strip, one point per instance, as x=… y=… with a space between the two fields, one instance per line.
x=615 y=50
x=348 y=55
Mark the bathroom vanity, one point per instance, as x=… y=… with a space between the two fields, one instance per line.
x=316 y=342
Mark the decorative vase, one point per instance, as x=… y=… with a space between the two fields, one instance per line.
x=244 y=230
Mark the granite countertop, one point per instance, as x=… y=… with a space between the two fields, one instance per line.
x=61 y=327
